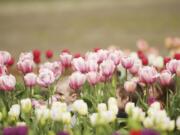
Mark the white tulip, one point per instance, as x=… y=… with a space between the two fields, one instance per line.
x=21 y=124
x=66 y=117
x=112 y=101
x=56 y=114
x=61 y=106
x=14 y=111
x=138 y=114
x=93 y=118
x=102 y=107
x=178 y=123
x=148 y=122
x=26 y=105
x=156 y=106
x=158 y=62
x=114 y=109
x=80 y=106
x=129 y=107
x=171 y=125
x=42 y=113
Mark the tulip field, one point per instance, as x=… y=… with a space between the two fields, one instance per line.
x=101 y=92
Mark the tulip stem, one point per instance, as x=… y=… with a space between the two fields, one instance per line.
x=126 y=75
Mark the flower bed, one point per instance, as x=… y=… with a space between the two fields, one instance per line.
x=103 y=92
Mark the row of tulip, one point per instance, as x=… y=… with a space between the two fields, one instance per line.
x=105 y=81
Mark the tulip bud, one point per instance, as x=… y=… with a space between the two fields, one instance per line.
x=130 y=86
x=129 y=107
x=92 y=77
x=127 y=62
x=165 y=78
x=102 y=107
x=49 y=54
x=30 y=79
x=7 y=82
x=93 y=119
x=81 y=107
x=178 y=123
x=14 y=111
x=66 y=117
x=26 y=105
x=79 y=64
x=148 y=122
x=65 y=59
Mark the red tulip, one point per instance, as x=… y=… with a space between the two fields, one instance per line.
x=144 y=61
x=96 y=49
x=77 y=55
x=177 y=56
x=49 y=54
x=166 y=60
x=37 y=60
x=135 y=132
x=36 y=54
x=10 y=62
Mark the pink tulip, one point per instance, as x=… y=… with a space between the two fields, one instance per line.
x=92 y=56
x=26 y=63
x=66 y=59
x=79 y=64
x=3 y=70
x=76 y=80
x=7 y=82
x=165 y=78
x=26 y=55
x=55 y=67
x=107 y=68
x=148 y=75
x=30 y=79
x=178 y=71
x=102 y=78
x=92 y=77
x=102 y=55
x=5 y=57
x=26 y=66
x=130 y=86
x=127 y=62
x=115 y=57
x=46 y=78
x=135 y=68
x=92 y=65
x=172 y=65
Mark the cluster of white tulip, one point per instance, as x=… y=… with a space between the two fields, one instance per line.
x=80 y=107
x=136 y=113
x=105 y=114
x=16 y=109
x=58 y=112
x=156 y=118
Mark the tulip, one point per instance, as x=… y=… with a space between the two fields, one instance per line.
x=36 y=53
x=91 y=65
x=65 y=51
x=79 y=64
x=178 y=123
x=25 y=55
x=62 y=133
x=115 y=57
x=55 y=67
x=148 y=75
x=177 y=56
x=92 y=56
x=66 y=117
x=49 y=54
x=76 y=80
x=5 y=57
x=144 y=61
x=107 y=68
x=10 y=62
x=158 y=62
x=102 y=107
x=127 y=62
x=135 y=68
x=130 y=86
x=149 y=132
x=19 y=130
x=166 y=60
x=102 y=55
x=77 y=55
x=172 y=65
x=45 y=78
x=30 y=79
x=7 y=82
x=26 y=105
x=165 y=78
x=25 y=66
x=14 y=111
x=65 y=59
x=3 y=70
x=129 y=108
x=92 y=77
x=80 y=106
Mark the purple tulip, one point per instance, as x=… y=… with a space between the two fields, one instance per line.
x=149 y=132
x=21 y=130
x=62 y=133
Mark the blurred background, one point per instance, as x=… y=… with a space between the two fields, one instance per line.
x=81 y=25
